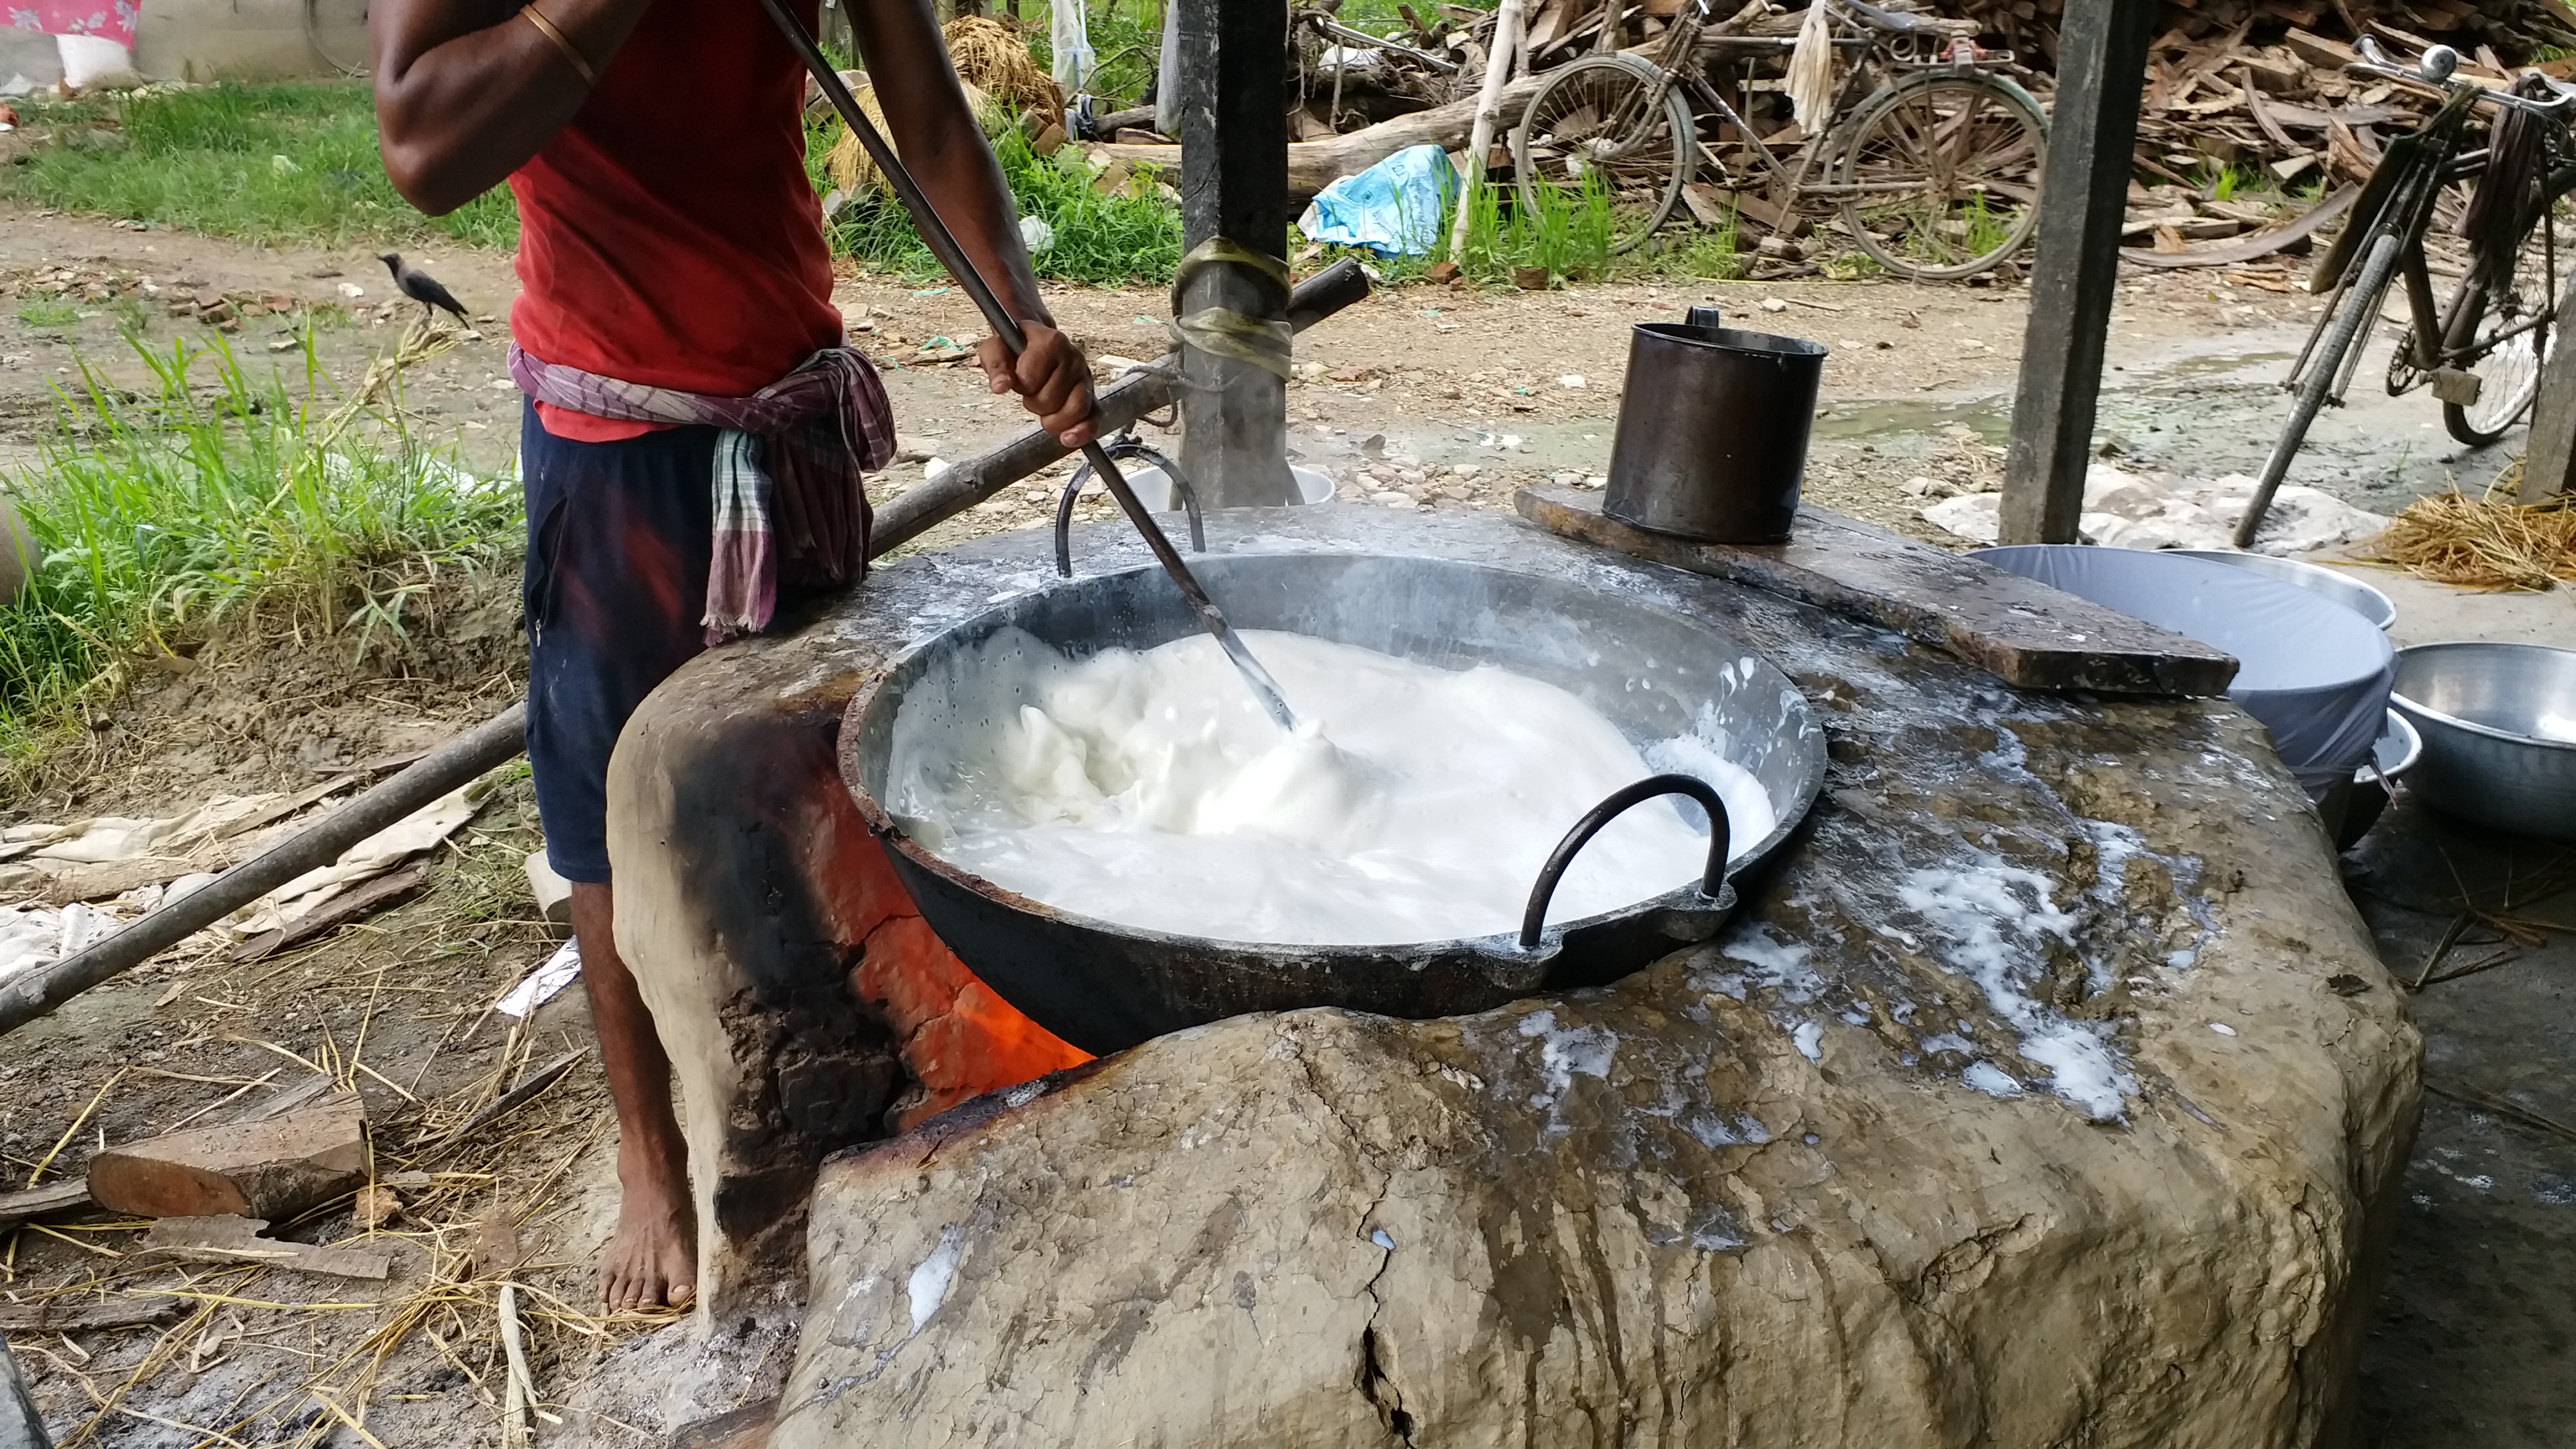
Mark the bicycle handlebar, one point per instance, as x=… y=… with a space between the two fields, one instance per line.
x=2435 y=68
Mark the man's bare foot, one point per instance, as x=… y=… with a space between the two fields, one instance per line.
x=652 y=1262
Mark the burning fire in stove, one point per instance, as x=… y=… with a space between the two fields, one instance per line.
x=960 y=1040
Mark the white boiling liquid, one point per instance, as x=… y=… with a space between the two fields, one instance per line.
x=1413 y=804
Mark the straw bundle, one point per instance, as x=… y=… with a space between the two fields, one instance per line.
x=2481 y=543
x=847 y=162
x=991 y=57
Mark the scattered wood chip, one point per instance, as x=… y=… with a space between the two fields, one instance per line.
x=88 y=1317
x=744 y=1428
x=374 y=1207
x=518 y=1096
x=52 y=1200
x=497 y=1250
x=230 y=1238
x=380 y=894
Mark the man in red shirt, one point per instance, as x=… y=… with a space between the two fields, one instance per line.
x=687 y=375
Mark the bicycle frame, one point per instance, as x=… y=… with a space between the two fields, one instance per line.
x=1677 y=65
x=2436 y=155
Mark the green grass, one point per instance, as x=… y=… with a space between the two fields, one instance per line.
x=211 y=502
x=289 y=163
x=40 y=313
x=1131 y=234
x=1568 y=235
x=1127 y=39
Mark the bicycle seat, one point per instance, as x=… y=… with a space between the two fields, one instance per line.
x=1891 y=20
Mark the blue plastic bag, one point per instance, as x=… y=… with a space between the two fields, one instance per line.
x=1393 y=208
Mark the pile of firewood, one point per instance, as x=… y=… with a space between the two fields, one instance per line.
x=2510 y=29
x=2286 y=107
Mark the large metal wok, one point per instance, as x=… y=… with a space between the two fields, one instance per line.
x=1104 y=986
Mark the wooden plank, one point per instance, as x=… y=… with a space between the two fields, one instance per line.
x=2549 y=466
x=379 y=894
x=2023 y=632
x=2260 y=244
x=110 y=879
x=2093 y=133
x=88 y=1317
x=230 y=1239
x=51 y=1200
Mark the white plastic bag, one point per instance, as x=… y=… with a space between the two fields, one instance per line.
x=1069 y=38
x=95 y=60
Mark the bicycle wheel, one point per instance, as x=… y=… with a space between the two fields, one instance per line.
x=1944 y=170
x=1597 y=134
x=2501 y=330
x=2323 y=366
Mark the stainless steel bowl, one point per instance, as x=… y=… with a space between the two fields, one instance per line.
x=2499 y=727
x=2354 y=805
x=2343 y=588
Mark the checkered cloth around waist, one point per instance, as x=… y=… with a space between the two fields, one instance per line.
x=790 y=469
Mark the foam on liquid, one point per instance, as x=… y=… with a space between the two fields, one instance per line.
x=1412 y=804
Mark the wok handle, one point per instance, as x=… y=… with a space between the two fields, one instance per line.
x=1126 y=447
x=1712 y=880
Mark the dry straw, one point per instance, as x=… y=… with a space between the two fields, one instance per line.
x=2482 y=543
x=991 y=57
x=1000 y=80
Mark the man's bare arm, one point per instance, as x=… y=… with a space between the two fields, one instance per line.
x=936 y=135
x=468 y=90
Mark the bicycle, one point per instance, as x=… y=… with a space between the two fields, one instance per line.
x=1935 y=168
x=2483 y=350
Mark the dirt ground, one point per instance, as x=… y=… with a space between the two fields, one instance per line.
x=1426 y=396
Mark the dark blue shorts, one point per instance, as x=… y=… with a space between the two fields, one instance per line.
x=619 y=540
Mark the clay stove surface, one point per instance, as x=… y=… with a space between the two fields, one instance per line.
x=2048 y=1090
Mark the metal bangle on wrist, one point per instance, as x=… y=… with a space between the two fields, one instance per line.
x=571 y=54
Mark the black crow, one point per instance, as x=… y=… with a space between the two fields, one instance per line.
x=420 y=286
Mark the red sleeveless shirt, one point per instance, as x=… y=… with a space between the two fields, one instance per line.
x=669 y=235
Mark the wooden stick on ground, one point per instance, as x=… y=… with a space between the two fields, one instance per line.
x=519 y=1396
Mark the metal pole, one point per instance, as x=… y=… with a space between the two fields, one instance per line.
x=943 y=245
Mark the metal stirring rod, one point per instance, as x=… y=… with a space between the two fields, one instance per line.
x=943 y=244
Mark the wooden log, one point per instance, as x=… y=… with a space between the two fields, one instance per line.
x=1314 y=165
x=274 y=1169
x=2023 y=632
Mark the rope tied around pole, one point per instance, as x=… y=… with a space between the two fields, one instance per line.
x=1222 y=331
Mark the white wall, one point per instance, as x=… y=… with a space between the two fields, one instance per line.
x=201 y=40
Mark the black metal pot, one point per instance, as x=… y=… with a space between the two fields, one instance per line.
x=1104 y=986
x=1713 y=425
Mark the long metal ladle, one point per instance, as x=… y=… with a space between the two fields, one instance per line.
x=943 y=244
